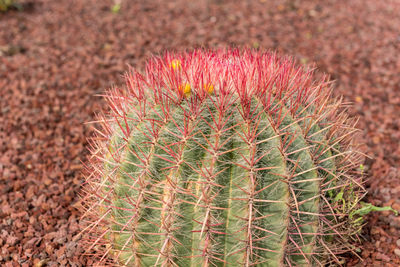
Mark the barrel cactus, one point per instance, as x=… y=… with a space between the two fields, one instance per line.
x=222 y=158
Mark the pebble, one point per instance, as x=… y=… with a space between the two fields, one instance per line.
x=381 y=256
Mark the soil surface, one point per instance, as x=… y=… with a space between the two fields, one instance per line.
x=55 y=56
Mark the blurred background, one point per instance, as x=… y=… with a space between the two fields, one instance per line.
x=55 y=56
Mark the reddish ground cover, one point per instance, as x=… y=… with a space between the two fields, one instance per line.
x=56 y=55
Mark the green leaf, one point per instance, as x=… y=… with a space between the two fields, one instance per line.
x=339 y=196
x=366 y=208
x=116 y=8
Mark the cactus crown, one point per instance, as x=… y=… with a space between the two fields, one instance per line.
x=222 y=158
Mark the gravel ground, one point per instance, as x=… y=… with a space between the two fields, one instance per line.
x=55 y=56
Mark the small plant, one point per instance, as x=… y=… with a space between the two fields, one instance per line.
x=226 y=158
x=8 y=4
x=116 y=7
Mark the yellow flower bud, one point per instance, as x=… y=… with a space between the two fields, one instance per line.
x=209 y=88
x=176 y=64
x=185 y=89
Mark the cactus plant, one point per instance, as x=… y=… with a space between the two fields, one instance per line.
x=222 y=158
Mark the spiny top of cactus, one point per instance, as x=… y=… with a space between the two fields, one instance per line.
x=201 y=73
x=226 y=158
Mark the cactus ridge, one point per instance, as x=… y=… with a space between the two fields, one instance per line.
x=244 y=174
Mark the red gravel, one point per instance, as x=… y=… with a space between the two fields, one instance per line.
x=56 y=55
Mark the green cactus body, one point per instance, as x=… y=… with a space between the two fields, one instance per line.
x=238 y=177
